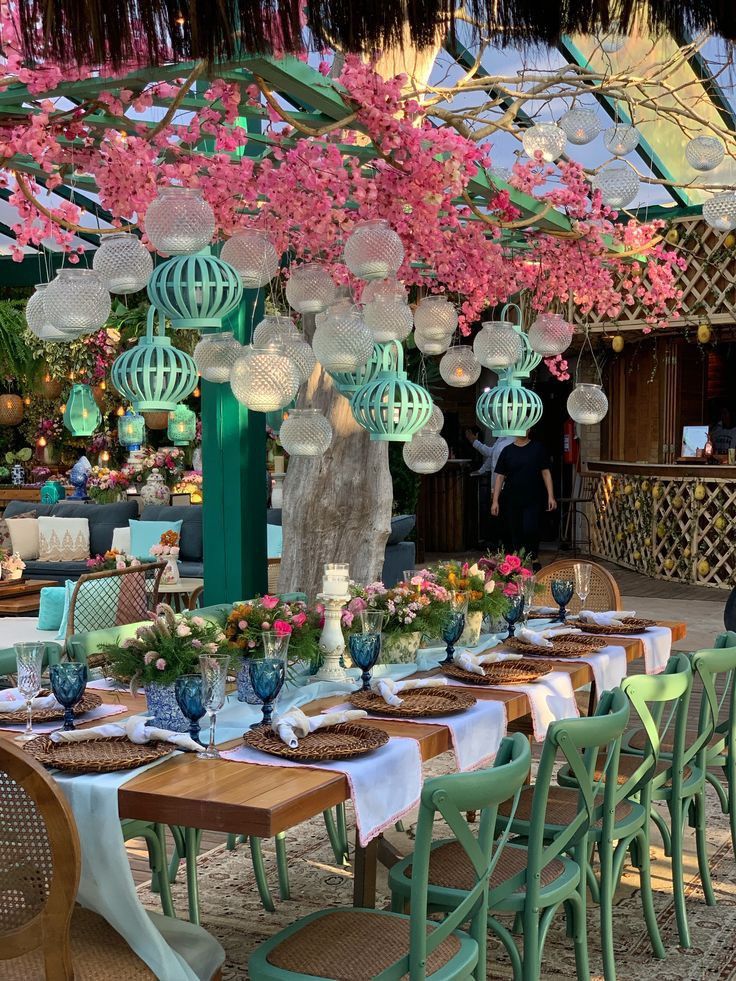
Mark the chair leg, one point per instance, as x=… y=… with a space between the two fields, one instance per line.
x=531 y=962
x=702 y=849
x=282 y=865
x=337 y=841
x=678 y=878
x=606 y=893
x=580 y=935
x=178 y=853
x=161 y=872
x=259 y=869
x=643 y=861
x=661 y=826
x=507 y=940
x=191 y=843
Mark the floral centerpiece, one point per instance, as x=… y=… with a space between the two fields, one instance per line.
x=112 y=559
x=190 y=483
x=412 y=609
x=507 y=570
x=169 y=463
x=12 y=565
x=484 y=600
x=158 y=654
x=167 y=550
x=105 y=485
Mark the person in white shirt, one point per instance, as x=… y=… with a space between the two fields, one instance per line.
x=490 y=528
x=491 y=453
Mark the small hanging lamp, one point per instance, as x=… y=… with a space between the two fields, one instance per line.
x=11 y=410
x=460 y=367
x=305 y=432
x=391 y=407
x=182 y=426
x=497 y=344
x=509 y=409
x=82 y=415
x=264 y=378
x=587 y=404
x=385 y=358
x=123 y=263
x=310 y=288
x=373 y=250
x=215 y=356
x=427 y=452
x=131 y=430
x=252 y=256
x=550 y=334
x=179 y=221
x=195 y=291
x=546 y=138
x=341 y=341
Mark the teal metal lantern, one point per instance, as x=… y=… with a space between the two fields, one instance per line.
x=391 y=407
x=195 y=291
x=509 y=409
x=182 y=427
x=81 y=415
x=529 y=358
x=131 y=430
x=154 y=375
x=385 y=358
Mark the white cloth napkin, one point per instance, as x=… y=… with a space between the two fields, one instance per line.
x=389 y=689
x=609 y=618
x=474 y=662
x=294 y=725
x=544 y=637
x=11 y=700
x=134 y=728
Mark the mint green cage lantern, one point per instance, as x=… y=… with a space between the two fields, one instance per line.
x=131 y=430
x=529 y=358
x=154 y=375
x=390 y=406
x=182 y=426
x=195 y=291
x=385 y=358
x=509 y=409
x=81 y=415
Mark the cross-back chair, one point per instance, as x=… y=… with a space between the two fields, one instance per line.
x=115 y=597
x=604 y=592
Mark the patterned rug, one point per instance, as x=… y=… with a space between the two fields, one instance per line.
x=232 y=912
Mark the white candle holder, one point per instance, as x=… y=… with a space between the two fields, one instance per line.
x=331 y=641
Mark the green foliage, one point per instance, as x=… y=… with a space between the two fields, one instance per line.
x=15 y=355
x=21 y=456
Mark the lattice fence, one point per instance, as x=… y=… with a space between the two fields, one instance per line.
x=677 y=528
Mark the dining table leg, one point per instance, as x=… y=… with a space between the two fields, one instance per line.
x=364 y=874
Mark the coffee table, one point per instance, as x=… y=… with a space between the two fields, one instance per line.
x=22 y=597
x=184 y=594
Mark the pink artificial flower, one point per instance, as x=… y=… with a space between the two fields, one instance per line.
x=347 y=618
x=196 y=644
x=510 y=589
x=514 y=561
x=525 y=573
x=242 y=624
x=299 y=619
x=464 y=568
x=265 y=625
x=269 y=602
x=198 y=621
x=251 y=644
x=490 y=585
x=212 y=648
x=505 y=569
x=281 y=627
x=161 y=664
x=183 y=630
x=357 y=604
x=149 y=656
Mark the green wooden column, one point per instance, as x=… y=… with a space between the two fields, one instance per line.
x=235 y=488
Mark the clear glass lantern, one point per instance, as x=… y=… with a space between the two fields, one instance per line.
x=427 y=452
x=580 y=126
x=182 y=426
x=252 y=256
x=719 y=212
x=373 y=250
x=621 y=139
x=618 y=184
x=305 y=432
x=460 y=367
x=436 y=421
x=76 y=301
x=435 y=317
x=587 y=404
x=283 y=330
x=705 y=152
x=431 y=345
x=377 y=289
x=123 y=263
x=131 y=430
x=547 y=138
x=38 y=322
x=310 y=288
x=179 y=221
x=498 y=344
x=550 y=334
x=264 y=378
x=341 y=341
x=215 y=356
x=389 y=318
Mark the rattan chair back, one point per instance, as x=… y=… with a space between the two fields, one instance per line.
x=604 y=592
x=39 y=864
x=109 y=599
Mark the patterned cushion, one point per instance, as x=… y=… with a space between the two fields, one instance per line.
x=63 y=539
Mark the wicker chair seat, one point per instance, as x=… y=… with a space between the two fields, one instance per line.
x=629 y=763
x=450 y=867
x=562 y=806
x=353 y=945
x=98 y=951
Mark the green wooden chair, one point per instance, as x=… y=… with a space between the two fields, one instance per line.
x=533 y=874
x=722 y=750
x=364 y=943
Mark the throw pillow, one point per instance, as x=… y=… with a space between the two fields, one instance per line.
x=121 y=540
x=275 y=535
x=24 y=536
x=6 y=544
x=63 y=539
x=144 y=534
x=51 y=607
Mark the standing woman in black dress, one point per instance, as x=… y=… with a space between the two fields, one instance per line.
x=522 y=483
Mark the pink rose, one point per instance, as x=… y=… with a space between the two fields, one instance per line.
x=514 y=561
x=269 y=602
x=357 y=604
x=251 y=643
x=299 y=619
x=242 y=624
x=281 y=627
x=347 y=618
x=183 y=630
x=161 y=664
x=510 y=589
x=505 y=569
x=525 y=573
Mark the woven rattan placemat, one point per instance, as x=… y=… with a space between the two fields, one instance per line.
x=501 y=672
x=631 y=625
x=417 y=703
x=341 y=742
x=96 y=755
x=88 y=702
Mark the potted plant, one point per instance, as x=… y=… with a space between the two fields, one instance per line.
x=412 y=609
x=167 y=550
x=16 y=463
x=112 y=559
x=158 y=654
x=484 y=600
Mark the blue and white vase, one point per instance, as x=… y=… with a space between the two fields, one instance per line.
x=163 y=707
x=18 y=475
x=244 y=686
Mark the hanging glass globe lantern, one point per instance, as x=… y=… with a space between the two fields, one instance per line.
x=460 y=367
x=436 y=421
x=705 y=152
x=435 y=317
x=550 y=334
x=587 y=404
x=509 y=409
x=123 y=263
x=497 y=344
x=389 y=318
x=547 y=138
x=391 y=288
x=182 y=426
x=385 y=358
x=621 y=139
x=427 y=452
x=310 y=288
x=580 y=126
x=618 y=184
x=215 y=356
x=38 y=322
x=252 y=256
x=179 y=221
x=373 y=250
x=196 y=292
x=392 y=408
x=719 y=212
x=77 y=302
x=131 y=430
x=342 y=342
x=429 y=345
x=283 y=330
x=154 y=375
x=264 y=378
x=81 y=416
x=305 y=432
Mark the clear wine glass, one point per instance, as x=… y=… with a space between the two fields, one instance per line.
x=528 y=590
x=582 y=572
x=214 y=668
x=29 y=664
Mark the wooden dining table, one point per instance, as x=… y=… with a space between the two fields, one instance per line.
x=251 y=799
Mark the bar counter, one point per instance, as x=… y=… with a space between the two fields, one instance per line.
x=668 y=521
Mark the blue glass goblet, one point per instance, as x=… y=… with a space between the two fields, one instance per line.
x=365 y=647
x=454 y=624
x=68 y=682
x=562 y=593
x=267 y=674
x=512 y=614
x=189 y=698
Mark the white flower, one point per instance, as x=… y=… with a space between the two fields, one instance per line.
x=490 y=585
x=474 y=570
